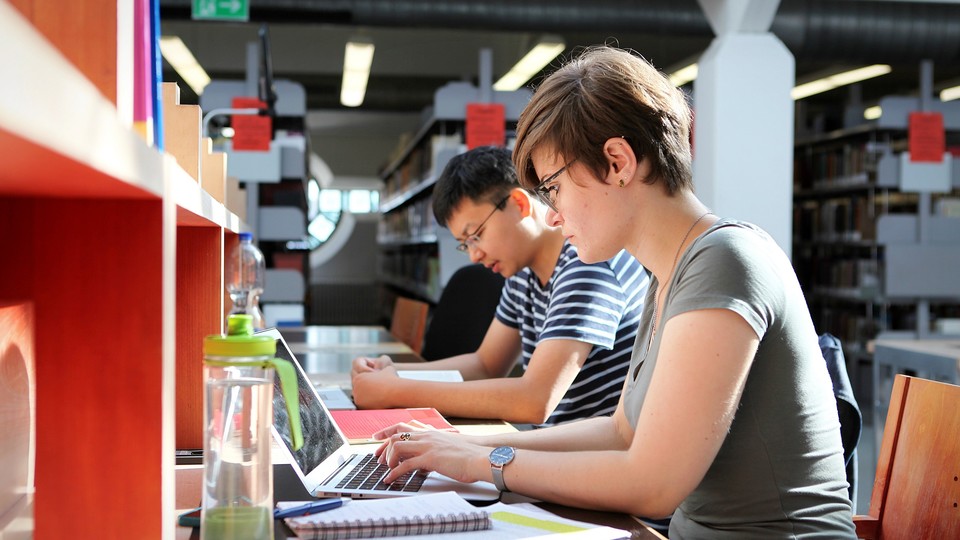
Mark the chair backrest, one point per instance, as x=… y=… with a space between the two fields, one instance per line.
x=851 y=420
x=409 y=321
x=462 y=316
x=917 y=488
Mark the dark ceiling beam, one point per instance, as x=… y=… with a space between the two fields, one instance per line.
x=838 y=30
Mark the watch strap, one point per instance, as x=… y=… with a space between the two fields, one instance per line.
x=497 y=471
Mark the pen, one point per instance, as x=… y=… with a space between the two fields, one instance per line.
x=309 y=508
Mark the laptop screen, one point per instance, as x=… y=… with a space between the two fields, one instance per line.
x=320 y=437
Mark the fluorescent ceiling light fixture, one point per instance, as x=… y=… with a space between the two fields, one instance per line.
x=357 y=58
x=872 y=113
x=840 y=79
x=684 y=75
x=950 y=94
x=183 y=61
x=531 y=64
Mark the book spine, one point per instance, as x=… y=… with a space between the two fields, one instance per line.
x=376 y=528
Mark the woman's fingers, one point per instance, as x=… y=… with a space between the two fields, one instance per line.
x=405 y=456
x=397 y=428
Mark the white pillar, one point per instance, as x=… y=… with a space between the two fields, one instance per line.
x=743 y=127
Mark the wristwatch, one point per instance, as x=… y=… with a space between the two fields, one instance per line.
x=499 y=458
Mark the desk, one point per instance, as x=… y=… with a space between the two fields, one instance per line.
x=934 y=359
x=327 y=353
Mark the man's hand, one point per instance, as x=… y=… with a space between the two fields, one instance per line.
x=370 y=387
x=364 y=364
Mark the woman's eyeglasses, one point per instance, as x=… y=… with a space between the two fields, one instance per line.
x=548 y=194
x=471 y=241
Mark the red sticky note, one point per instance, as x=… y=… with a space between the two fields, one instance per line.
x=486 y=124
x=926 y=138
x=251 y=132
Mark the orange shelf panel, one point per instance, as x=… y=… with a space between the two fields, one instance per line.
x=198 y=315
x=31 y=169
x=93 y=270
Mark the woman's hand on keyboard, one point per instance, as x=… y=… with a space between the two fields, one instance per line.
x=449 y=454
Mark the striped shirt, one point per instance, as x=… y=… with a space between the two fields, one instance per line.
x=598 y=304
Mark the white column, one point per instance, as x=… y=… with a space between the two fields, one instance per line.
x=743 y=127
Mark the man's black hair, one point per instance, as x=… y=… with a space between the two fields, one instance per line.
x=484 y=174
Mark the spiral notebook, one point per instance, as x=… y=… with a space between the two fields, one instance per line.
x=437 y=513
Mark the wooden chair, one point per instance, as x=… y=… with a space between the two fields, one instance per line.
x=409 y=321
x=917 y=488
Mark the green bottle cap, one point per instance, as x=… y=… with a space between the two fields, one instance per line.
x=240 y=325
x=239 y=340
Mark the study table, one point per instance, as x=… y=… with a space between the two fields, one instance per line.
x=326 y=353
x=934 y=359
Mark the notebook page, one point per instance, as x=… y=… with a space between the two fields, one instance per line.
x=436 y=375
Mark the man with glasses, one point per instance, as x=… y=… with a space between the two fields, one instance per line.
x=572 y=325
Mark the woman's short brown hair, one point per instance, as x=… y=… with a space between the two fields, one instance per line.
x=602 y=93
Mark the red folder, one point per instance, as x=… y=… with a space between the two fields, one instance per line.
x=360 y=425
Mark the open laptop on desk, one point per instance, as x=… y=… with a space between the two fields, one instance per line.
x=327 y=458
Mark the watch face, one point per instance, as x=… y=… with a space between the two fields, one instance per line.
x=502 y=455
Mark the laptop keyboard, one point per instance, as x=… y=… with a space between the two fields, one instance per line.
x=368 y=474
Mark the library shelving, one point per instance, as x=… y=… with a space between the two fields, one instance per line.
x=856 y=227
x=274 y=182
x=113 y=253
x=417 y=256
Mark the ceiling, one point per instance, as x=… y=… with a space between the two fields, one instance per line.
x=422 y=45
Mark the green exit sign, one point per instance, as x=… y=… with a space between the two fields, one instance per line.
x=221 y=10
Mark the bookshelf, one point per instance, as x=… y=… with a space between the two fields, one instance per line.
x=117 y=251
x=856 y=229
x=417 y=256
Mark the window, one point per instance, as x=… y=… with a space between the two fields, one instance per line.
x=329 y=203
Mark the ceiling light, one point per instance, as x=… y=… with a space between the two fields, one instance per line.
x=839 y=79
x=684 y=75
x=531 y=64
x=872 y=113
x=950 y=94
x=183 y=61
x=357 y=58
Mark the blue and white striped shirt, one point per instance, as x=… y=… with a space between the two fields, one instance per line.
x=598 y=304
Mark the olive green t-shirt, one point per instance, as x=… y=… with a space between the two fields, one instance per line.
x=780 y=471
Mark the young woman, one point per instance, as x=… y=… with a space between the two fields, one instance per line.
x=727 y=418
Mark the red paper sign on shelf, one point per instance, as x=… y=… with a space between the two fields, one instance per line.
x=252 y=133
x=927 y=140
x=485 y=124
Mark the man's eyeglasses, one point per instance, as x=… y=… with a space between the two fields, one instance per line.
x=471 y=241
x=548 y=194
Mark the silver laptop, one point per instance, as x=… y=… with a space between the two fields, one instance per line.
x=327 y=462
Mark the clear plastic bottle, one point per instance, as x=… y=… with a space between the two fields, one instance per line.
x=239 y=372
x=245 y=274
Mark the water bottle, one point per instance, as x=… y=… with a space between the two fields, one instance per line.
x=245 y=271
x=239 y=371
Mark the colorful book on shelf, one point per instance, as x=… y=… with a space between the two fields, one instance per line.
x=436 y=513
x=360 y=425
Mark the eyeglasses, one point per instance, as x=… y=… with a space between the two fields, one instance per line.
x=548 y=194
x=473 y=239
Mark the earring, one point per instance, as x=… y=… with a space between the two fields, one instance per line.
x=621 y=182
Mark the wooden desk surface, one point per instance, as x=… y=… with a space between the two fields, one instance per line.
x=326 y=353
x=189 y=485
x=946 y=348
